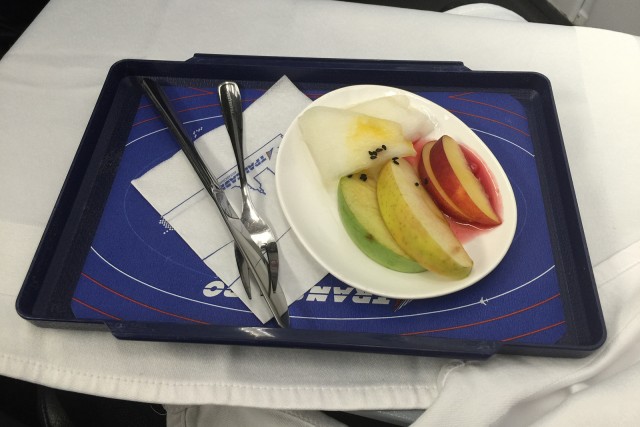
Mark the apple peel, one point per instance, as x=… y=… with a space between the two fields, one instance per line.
x=447 y=176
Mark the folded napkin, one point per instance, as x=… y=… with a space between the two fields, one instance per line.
x=176 y=193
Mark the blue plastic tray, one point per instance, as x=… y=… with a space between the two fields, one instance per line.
x=103 y=258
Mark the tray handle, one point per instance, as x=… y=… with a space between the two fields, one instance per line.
x=247 y=60
x=325 y=340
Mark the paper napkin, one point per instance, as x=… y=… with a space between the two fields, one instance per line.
x=176 y=193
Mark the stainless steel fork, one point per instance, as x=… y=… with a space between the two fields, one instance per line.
x=264 y=238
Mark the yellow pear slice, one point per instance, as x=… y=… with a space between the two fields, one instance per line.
x=416 y=224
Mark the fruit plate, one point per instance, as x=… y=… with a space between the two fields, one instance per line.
x=311 y=206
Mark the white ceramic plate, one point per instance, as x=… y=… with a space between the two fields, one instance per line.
x=311 y=207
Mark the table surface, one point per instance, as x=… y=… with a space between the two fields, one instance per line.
x=49 y=83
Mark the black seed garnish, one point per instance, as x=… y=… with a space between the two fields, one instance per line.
x=378 y=150
x=416 y=184
x=384 y=147
x=349 y=176
x=395 y=160
x=363 y=176
x=372 y=153
x=373 y=157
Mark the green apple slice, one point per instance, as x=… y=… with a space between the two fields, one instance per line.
x=360 y=215
x=416 y=224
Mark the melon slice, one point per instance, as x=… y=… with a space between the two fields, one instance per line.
x=415 y=124
x=342 y=142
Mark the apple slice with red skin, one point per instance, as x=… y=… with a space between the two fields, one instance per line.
x=431 y=183
x=447 y=176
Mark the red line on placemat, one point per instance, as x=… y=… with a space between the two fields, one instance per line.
x=461 y=94
x=200 y=107
x=208 y=92
x=459 y=97
x=534 y=332
x=202 y=93
x=141 y=303
x=491 y=120
x=196 y=95
x=493 y=319
x=97 y=310
x=182 y=111
x=145 y=120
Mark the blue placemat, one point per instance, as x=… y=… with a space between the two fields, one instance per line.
x=139 y=269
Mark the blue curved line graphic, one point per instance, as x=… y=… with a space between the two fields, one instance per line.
x=435 y=311
x=162 y=290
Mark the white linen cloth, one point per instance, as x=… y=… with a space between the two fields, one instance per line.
x=509 y=391
x=168 y=185
x=49 y=83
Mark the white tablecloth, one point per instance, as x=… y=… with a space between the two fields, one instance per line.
x=49 y=83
